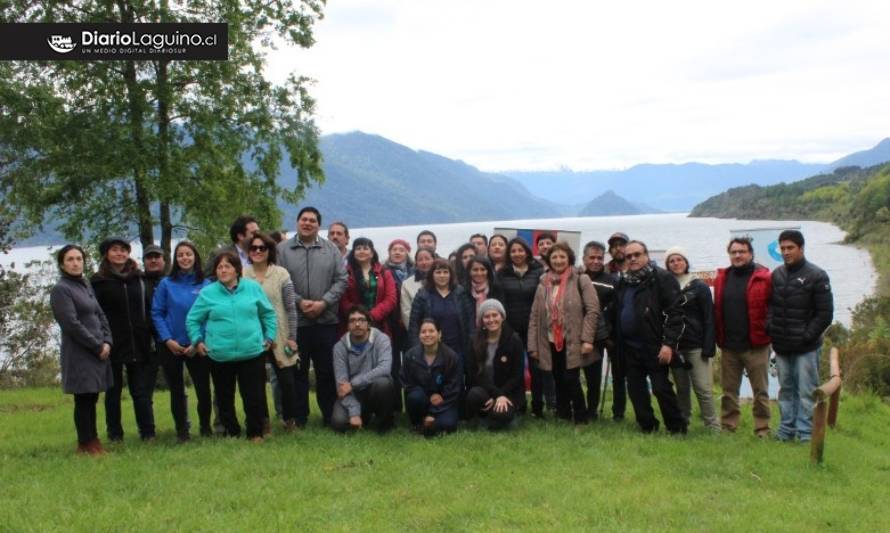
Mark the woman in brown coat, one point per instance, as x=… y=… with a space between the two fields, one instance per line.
x=562 y=328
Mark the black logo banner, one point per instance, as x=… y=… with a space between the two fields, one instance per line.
x=114 y=42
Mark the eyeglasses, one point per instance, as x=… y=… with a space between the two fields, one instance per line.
x=634 y=255
x=738 y=252
x=358 y=320
x=260 y=249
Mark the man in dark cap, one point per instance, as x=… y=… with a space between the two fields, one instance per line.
x=155 y=267
x=617 y=242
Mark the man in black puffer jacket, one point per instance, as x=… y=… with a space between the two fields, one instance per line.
x=800 y=309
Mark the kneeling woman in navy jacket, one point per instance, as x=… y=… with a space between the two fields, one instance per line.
x=431 y=376
x=495 y=369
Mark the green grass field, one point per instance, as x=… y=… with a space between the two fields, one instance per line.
x=544 y=476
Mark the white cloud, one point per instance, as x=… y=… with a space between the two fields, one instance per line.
x=520 y=84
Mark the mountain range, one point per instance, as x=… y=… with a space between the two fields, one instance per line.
x=679 y=187
x=372 y=181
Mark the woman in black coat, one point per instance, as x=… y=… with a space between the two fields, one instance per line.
x=697 y=344
x=495 y=385
x=86 y=345
x=519 y=282
x=123 y=294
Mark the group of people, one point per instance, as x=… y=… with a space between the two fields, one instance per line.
x=444 y=339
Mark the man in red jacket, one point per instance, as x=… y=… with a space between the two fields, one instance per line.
x=741 y=295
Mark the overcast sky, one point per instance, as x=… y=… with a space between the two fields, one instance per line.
x=516 y=84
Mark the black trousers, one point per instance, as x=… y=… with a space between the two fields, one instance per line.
x=593 y=374
x=477 y=397
x=399 y=346
x=619 y=383
x=199 y=370
x=377 y=400
x=569 y=395
x=152 y=366
x=138 y=380
x=541 y=382
x=250 y=375
x=641 y=364
x=287 y=386
x=316 y=345
x=85 y=416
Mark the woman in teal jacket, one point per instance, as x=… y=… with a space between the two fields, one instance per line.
x=233 y=323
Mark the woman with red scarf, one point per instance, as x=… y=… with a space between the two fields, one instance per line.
x=562 y=328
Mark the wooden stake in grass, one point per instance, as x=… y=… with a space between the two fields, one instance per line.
x=830 y=389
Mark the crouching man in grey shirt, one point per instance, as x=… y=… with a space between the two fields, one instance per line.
x=362 y=362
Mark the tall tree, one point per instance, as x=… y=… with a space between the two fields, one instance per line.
x=123 y=146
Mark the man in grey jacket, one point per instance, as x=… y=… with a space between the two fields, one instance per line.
x=319 y=281
x=362 y=363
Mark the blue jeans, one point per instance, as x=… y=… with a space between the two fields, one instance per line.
x=798 y=378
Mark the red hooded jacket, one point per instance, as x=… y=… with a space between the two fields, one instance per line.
x=384 y=304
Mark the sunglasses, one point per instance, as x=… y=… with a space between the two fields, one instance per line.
x=259 y=249
x=634 y=255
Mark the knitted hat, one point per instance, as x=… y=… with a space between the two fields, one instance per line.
x=111 y=241
x=402 y=242
x=492 y=304
x=675 y=250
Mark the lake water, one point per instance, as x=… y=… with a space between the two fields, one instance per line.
x=852 y=273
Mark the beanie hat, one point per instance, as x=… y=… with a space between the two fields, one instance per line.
x=402 y=242
x=111 y=241
x=675 y=250
x=492 y=304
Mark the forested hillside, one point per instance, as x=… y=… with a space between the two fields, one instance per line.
x=858 y=201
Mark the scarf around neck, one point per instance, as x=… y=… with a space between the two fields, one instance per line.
x=480 y=294
x=555 y=303
x=635 y=278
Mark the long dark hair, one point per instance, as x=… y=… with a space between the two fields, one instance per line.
x=418 y=274
x=489 y=269
x=529 y=256
x=357 y=273
x=459 y=268
x=506 y=247
x=176 y=272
